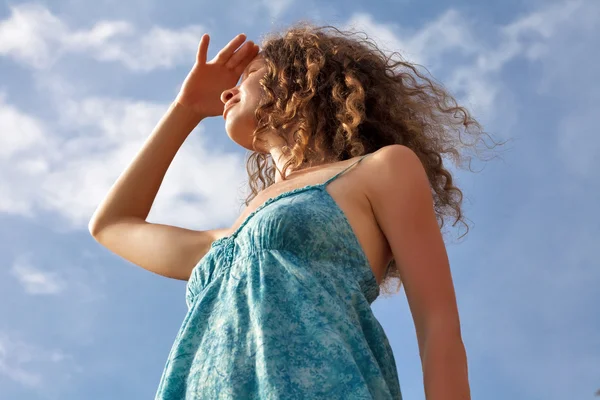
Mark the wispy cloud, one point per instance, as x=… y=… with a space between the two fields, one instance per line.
x=470 y=63
x=276 y=7
x=35 y=37
x=30 y=130
x=22 y=159
x=449 y=47
x=30 y=365
x=36 y=281
x=448 y=33
x=43 y=170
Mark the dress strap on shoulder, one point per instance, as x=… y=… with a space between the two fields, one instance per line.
x=344 y=170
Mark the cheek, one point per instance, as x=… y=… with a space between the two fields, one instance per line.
x=252 y=99
x=248 y=109
x=253 y=92
x=249 y=105
x=240 y=119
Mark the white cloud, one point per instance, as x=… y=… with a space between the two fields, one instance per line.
x=22 y=141
x=30 y=365
x=276 y=8
x=36 y=281
x=33 y=36
x=114 y=132
x=470 y=65
x=29 y=34
x=24 y=159
x=449 y=33
x=30 y=131
x=68 y=168
x=448 y=47
x=569 y=77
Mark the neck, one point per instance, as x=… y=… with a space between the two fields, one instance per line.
x=275 y=145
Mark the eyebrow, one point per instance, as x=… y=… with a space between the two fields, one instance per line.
x=250 y=64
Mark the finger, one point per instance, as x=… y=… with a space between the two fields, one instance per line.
x=230 y=48
x=239 y=55
x=203 y=49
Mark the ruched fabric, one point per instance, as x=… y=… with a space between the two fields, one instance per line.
x=281 y=309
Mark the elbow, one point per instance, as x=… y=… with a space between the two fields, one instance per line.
x=93 y=229
x=95 y=226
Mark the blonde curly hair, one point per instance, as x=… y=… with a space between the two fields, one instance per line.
x=345 y=98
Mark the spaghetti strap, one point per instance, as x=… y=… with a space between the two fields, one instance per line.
x=344 y=170
x=268 y=269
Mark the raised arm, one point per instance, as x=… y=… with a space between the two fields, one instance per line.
x=119 y=223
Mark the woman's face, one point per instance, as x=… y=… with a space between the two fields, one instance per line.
x=242 y=101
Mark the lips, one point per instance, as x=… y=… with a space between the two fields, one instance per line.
x=228 y=105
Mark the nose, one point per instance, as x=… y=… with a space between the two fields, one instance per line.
x=228 y=94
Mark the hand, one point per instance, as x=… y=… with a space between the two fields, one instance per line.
x=202 y=88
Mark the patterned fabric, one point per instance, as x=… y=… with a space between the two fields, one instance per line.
x=280 y=309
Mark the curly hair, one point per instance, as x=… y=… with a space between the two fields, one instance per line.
x=345 y=97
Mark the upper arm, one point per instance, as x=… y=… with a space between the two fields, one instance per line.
x=401 y=197
x=163 y=249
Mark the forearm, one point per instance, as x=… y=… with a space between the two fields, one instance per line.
x=134 y=191
x=445 y=371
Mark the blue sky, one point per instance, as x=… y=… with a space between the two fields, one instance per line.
x=82 y=84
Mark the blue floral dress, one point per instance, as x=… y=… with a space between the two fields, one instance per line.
x=280 y=309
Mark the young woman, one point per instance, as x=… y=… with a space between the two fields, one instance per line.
x=348 y=191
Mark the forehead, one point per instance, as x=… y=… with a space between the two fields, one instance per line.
x=259 y=59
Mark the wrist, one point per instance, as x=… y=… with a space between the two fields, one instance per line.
x=179 y=120
x=186 y=111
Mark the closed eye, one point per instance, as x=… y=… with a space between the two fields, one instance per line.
x=246 y=75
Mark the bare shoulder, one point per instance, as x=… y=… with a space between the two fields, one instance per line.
x=394 y=153
x=393 y=168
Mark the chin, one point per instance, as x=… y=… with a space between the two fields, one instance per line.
x=242 y=137
x=245 y=142
x=239 y=127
